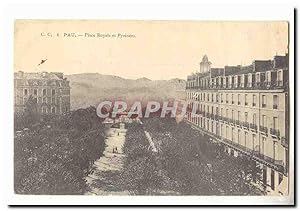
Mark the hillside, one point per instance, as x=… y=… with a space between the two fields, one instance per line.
x=91 y=88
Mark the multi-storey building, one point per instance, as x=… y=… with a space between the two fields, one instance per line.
x=247 y=109
x=50 y=92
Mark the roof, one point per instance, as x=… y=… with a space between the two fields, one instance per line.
x=39 y=75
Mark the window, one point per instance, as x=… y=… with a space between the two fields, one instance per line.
x=246 y=138
x=35 y=100
x=280 y=178
x=239 y=136
x=222 y=131
x=264 y=179
x=53 y=91
x=246 y=116
x=264 y=102
x=53 y=100
x=239 y=116
x=208 y=97
x=227 y=113
x=53 y=110
x=246 y=99
x=275 y=122
x=275 y=101
x=257 y=77
x=254 y=100
x=279 y=75
x=253 y=141
x=232 y=101
x=25 y=91
x=35 y=92
x=232 y=133
x=208 y=124
x=268 y=76
x=239 y=99
x=44 y=92
x=254 y=119
x=232 y=114
x=227 y=132
x=44 y=100
x=44 y=110
x=221 y=98
x=226 y=98
x=264 y=120
x=272 y=180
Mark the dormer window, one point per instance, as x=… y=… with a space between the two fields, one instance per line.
x=280 y=78
x=250 y=80
x=257 y=79
x=268 y=76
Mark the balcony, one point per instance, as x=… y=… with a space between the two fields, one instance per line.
x=238 y=122
x=284 y=142
x=246 y=124
x=203 y=113
x=226 y=119
x=275 y=106
x=253 y=126
x=263 y=129
x=277 y=163
x=274 y=132
x=253 y=154
x=232 y=121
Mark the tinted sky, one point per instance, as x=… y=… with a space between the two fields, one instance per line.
x=159 y=50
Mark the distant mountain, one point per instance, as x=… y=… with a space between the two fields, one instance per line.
x=91 y=88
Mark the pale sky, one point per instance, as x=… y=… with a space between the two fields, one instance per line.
x=159 y=50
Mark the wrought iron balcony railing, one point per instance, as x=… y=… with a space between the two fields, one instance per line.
x=274 y=132
x=246 y=124
x=284 y=142
x=263 y=129
x=253 y=126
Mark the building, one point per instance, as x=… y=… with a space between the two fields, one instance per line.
x=49 y=91
x=247 y=109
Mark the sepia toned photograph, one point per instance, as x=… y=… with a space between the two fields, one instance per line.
x=152 y=108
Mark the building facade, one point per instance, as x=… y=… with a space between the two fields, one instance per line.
x=247 y=109
x=50 y=92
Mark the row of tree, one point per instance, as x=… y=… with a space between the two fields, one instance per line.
x=55 y=155
x=198 y=165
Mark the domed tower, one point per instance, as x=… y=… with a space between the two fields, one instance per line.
x=205 y=65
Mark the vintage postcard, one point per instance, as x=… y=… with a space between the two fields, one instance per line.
x=153 y=108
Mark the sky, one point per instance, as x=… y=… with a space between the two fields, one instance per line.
x=154 y=49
